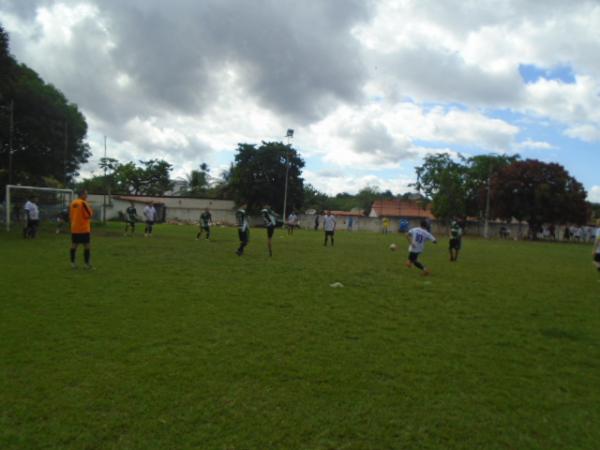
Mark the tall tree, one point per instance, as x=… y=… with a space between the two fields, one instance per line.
x=479 y=171
x=197 y=182
x=49 y=132
x=538 y=193
x=258 y=176
x=443 y=181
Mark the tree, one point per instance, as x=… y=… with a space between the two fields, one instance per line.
x=480 y=169
x=257 y=176
x=197 y=182
x=538 y=193
x=151 y=178
x=443 y=181
x=48 y=138
x=315 y=199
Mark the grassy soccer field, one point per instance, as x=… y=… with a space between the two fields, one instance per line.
x=173 y=343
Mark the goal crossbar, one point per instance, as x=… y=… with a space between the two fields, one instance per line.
x=10 y=187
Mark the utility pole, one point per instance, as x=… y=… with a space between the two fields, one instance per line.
x=11 y=127
x=289 y=135
x=66 y=156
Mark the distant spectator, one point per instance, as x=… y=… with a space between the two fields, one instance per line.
x=292 y=222
x=317 y=221
x=386 y=225
x=32 y=214
x=350 y=223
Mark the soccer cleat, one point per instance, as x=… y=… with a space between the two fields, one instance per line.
x=426 y=272
x=408 y=264
x=73 y=265
x=89 y=267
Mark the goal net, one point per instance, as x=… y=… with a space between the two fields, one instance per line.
x=51 y=203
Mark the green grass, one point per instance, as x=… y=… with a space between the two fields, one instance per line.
x=177 y=344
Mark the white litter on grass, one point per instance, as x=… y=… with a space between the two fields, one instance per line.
x=337 y=284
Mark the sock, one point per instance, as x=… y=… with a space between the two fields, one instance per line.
x=419 y=265
x=73 y=255
x=86 y=256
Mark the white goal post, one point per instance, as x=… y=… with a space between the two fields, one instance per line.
x=12 y=187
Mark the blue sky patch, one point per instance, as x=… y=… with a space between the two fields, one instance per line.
x=532 y=73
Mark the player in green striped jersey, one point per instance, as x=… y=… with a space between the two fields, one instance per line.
x=205 y=223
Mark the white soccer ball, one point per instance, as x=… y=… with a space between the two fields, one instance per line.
x=393 y=247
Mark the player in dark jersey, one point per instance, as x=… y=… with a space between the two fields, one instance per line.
x=271 y=222
x=455 y=241
x=243 y=229
x=205 y=223
x=130 y=219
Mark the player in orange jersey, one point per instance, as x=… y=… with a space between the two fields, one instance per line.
x=81 y=214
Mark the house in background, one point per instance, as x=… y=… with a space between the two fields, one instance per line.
x=400 y=209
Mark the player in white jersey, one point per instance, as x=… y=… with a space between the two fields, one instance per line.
x=329 y=227
x=150 y=216
x=32 y=213
x=596 y=250
x=417 y=237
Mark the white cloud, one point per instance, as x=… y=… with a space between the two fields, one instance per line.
x=352 y=183
x=587 y=132
x=594 y=194
x=529 y=144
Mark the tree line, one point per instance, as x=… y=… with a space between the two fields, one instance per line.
x=42 y=134
x=502 y=187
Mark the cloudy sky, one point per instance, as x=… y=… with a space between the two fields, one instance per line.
x=369 y=87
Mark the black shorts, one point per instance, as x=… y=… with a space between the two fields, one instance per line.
x=597 y=257
x=329 y=233
x=33 y=223
x=80 y=238
x=270 y=231
x=205 y=227
x=131 y=222
x=412 y=256
x=149 y=223
x=454 y=244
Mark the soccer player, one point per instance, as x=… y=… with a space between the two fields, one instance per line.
x=32 y=214
x=292 y=222
x=81 y=215
x=329 y=227
x=130 y=218
x=417 y=237
x=455 y=242
x=205 y=223
x=61 y=218
x=596 y=250
x=243 y=228
x=270 y=219
x=150 y=215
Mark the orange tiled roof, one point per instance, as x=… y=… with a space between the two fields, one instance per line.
x=347 y=213
x=401 y=208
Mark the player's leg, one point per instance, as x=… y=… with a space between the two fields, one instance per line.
x=332 y=236
x=199 y=233
x=270 y=232
x=325 y=243
x=597 y=261
x=243 y=236
x=87 y=253
x=73 y=250
x=207 y=229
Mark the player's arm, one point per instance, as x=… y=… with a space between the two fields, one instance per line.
x=431 y=237
x=87 y=211
x=408 y=236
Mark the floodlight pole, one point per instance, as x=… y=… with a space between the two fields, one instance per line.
x=289 y=135
x=104 y=196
